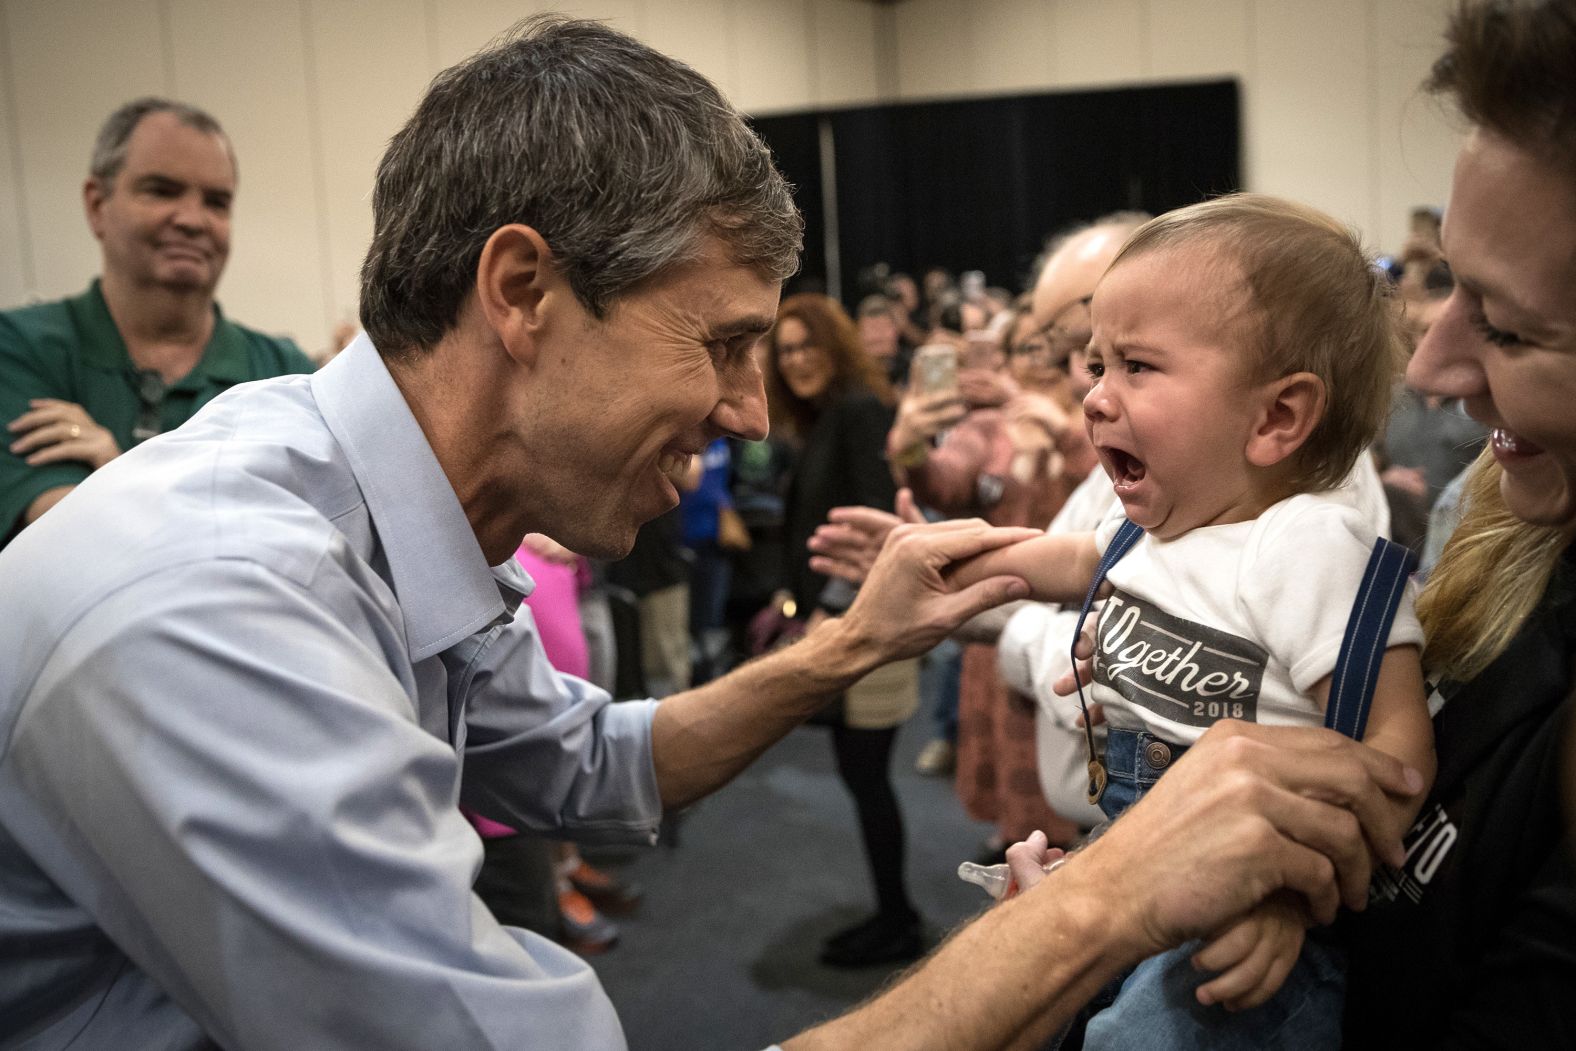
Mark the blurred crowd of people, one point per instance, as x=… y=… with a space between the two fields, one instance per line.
x=860 y=410
x=937 y=398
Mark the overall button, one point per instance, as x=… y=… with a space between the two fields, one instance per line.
x=1158 y=755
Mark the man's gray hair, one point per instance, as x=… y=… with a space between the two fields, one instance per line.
x=623 y=159
x=109 y=149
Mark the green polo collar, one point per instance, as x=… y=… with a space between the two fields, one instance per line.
x=224 y=358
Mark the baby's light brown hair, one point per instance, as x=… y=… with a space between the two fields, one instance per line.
x=1317 y=304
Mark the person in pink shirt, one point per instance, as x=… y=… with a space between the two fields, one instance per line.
x=515 y=865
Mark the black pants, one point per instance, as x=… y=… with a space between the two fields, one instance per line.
x=864 y=759
x=516 y=882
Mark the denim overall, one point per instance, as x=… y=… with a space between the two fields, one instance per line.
x=1154 y=1005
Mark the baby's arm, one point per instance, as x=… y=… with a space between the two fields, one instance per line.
x=1254 y=955
x=1398 y=722
x=1057 y=566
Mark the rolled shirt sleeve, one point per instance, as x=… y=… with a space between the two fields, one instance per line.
x=549 y=752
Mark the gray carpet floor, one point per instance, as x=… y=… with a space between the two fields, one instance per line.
x=721 y=954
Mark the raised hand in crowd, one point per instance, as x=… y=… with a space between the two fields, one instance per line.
x=985 y=388
x=846 y=545
x=921 y=416
x=1038 y=428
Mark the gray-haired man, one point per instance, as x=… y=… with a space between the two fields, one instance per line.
x=237 y=734
x=85 y=378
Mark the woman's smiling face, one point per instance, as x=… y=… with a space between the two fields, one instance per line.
x=1506 y=341
x=806 y=369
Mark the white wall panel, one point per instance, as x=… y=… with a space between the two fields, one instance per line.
x=1011 y=46
x=934 y=57
x=245 y=61
x=843 y=54
x=456 y=30
x=72 y=62
x=772 y=42
x=1195 y=39
x=16 y=250
x=1099 y=42
x=626 y=16
x=699 y=32
x=370 y=65
x=1415 y=138
x=1308 y=109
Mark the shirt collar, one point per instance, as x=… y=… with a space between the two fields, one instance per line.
x=224 y=358
x=445 y=588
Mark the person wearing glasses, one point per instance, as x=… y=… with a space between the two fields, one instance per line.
x=1004 y=449
x=85 y=378
x=233 y=735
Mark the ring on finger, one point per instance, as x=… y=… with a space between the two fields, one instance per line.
x=75 y=431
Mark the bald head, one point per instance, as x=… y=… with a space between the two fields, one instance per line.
x=1072 y=271
x=1059 y=306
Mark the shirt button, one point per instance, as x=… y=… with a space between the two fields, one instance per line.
x=1158 y=755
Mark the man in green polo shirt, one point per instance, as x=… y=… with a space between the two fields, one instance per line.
x=84 y=379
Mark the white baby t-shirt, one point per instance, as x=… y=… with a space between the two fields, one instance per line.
x=1235 y=621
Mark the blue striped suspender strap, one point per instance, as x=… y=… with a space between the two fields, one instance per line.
x=1126 y=536
x=1367 y=632
x=1356 y=668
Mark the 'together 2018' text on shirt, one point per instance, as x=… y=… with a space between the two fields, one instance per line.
x=1182 y=671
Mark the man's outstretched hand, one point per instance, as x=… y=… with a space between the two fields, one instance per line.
x=907 y=604
x=1248 y=811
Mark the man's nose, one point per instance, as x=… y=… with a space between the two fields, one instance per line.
x=190 y=215
x=741 y=411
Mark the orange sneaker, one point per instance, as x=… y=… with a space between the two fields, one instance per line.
x=584 y=930
x=607 y=893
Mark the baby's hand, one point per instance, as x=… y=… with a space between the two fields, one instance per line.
x=1254 y=955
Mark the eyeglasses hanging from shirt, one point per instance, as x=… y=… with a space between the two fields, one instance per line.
x=151 y=390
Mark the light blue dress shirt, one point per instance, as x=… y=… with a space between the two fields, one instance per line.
x=248 y=673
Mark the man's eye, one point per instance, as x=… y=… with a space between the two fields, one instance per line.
x=1135 y=367
x=1095 y=369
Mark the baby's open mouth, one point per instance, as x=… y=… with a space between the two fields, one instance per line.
x=1126 y=469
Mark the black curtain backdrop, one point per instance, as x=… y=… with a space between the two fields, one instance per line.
x=980 y=184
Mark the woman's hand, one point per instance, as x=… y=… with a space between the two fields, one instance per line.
x=847 y=543
x=1035 y=422
x=920 y=417
x=1082 y=672
x=1036 y=427
x=982 y=388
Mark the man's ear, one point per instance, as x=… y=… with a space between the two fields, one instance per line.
x=1292 y=407
x=513 y=278
x=93 y=196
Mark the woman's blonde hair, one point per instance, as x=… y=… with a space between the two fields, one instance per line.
x=1488 y=581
